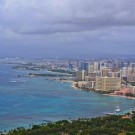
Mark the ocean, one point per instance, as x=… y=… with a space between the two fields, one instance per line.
x=33 y=100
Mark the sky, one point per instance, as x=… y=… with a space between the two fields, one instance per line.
x=63 y=28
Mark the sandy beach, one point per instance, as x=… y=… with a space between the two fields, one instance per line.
x=67 y=81
x=73 y=86
x=133 y=98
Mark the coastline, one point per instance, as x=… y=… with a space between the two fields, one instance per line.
x=73 y=86
x=72 y=83
x=121 y=96
x=132 y=98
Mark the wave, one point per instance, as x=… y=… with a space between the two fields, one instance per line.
x=17 y=81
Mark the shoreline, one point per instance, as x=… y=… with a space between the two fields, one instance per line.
x=131 y=98
x=73 y=86
x=121 y=96
x=72 y=83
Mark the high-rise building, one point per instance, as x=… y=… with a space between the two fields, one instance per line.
x=84 y=66
x=77 y=64
x=109 y=64
x=92 y=76
x=70 y=67
x=114 y=74
x=130 y=71
x=107 y=84
x=101 y=65
x=125 y=64
x=122 y=64
x=133 y=65
x=104 y=72
x=128 y=63
x=133 y=71
x=124 y=71
x=80 y=75
x=131 y=79
x=90 y=68
x=118 y=64
x=96 y=66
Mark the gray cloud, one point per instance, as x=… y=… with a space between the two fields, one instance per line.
x=51 y=16
x=86 y=22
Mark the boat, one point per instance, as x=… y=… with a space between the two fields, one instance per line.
x=117 y=109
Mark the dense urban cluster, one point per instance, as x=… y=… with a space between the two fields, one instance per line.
x=107 y=76
x=113 y=76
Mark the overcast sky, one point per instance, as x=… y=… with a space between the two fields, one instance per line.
x=66 y=27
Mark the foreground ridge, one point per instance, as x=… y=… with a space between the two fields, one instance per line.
x=107 y=125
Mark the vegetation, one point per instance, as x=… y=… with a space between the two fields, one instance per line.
x=108 y=125
x=47 y=75
x=63 y=71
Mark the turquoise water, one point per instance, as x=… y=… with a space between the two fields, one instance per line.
x=27 y=100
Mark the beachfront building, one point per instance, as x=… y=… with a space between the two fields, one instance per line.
x=126 y=90
x=90 y=85
x=81 y=84
x=107 y=84
x=86 y=85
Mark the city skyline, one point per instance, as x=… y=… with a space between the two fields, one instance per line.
x=66 y=28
